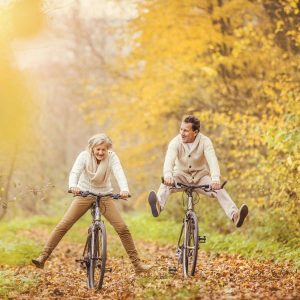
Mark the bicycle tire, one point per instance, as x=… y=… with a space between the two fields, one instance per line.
x=180 y=245
x=190 y=249
x=97 y=257
x=86 y=258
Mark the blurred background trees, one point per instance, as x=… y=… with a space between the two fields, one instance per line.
x=133 y=70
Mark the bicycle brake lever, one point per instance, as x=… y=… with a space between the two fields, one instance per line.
x=210 y=190
x=223 y=184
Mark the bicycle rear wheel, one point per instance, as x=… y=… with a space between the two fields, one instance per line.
x=190 y=248
x=97 y=257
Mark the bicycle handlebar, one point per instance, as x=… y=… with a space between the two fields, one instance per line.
x=87 y=193
x=204 y=187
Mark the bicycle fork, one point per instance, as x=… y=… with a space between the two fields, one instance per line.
x=180 y=247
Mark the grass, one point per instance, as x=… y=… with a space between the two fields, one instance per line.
x=166 y=231
x=17 y=248
x=146 y=228
x=11 y=284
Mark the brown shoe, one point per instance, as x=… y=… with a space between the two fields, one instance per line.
x=141 y=268
x=239 y=217
x=40 y=261
x=154 y=204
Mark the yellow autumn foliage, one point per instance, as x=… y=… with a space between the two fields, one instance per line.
x=20 y=19
x=234 y=64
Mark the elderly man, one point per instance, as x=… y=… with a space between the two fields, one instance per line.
x=191 y=159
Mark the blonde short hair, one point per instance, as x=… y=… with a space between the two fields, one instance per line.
x=98 y=139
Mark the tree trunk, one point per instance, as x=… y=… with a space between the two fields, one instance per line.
x=4 y=199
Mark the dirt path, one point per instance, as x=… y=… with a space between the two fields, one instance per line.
x=220 y=277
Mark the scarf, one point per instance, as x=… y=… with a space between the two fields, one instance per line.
x=98 y=174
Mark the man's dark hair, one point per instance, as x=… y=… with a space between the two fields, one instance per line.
x=193 y=120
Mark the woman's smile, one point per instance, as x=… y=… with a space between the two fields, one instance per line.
x=100 y=151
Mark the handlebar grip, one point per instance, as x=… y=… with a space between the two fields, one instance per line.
x=81 y=193
x=206 y=186
x=117 y=196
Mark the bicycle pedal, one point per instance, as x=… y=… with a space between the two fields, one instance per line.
x=108 y=269
x=82 y=263
x=172 y=270
x=202 y=239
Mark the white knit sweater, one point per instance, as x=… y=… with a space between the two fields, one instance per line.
x=79 y=177
x=194 y=162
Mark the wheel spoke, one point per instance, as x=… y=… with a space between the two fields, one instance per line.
x=96 y=257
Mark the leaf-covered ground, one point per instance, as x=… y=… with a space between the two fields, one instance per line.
x=219 y=276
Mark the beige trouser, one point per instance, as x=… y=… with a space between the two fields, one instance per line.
x=224 y=199
x=78 y=208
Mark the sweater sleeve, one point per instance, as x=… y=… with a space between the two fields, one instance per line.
x=119 y=173
x=212 y=160
x=77 y=169
x=170 y=158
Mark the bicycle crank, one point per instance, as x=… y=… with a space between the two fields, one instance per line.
x=82 y=263
x=172 y=270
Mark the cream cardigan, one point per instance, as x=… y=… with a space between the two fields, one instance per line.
x=79 y=176
x=193 y=163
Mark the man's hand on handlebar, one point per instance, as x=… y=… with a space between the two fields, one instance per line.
x=216 y=185
x=75 y=190
x=169 y=181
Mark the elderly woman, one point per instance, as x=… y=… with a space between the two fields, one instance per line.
x=91 y=171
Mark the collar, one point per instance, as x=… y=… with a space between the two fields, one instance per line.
x=194 y=146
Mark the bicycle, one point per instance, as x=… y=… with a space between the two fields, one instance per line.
x=94 y=253
x=189 y=238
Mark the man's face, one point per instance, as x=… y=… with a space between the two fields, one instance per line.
x=187 y=133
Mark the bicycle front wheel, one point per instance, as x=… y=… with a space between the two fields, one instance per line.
x=97 y=257
x=190 y=248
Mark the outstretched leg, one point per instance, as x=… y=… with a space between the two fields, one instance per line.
x=236 y=215
x=158 y=200
x=78 y=208
x=111 y=213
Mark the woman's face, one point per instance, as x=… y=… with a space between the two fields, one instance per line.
x=100 y=151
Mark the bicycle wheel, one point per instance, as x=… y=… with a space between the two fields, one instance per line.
x=97 y=257
x=86 y=257
x=190 y=249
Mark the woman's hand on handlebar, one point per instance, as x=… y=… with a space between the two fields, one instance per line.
x=124 y=194
x=75 y=190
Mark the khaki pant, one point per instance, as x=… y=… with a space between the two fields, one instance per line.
x=78 y=208
x=224 y=199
